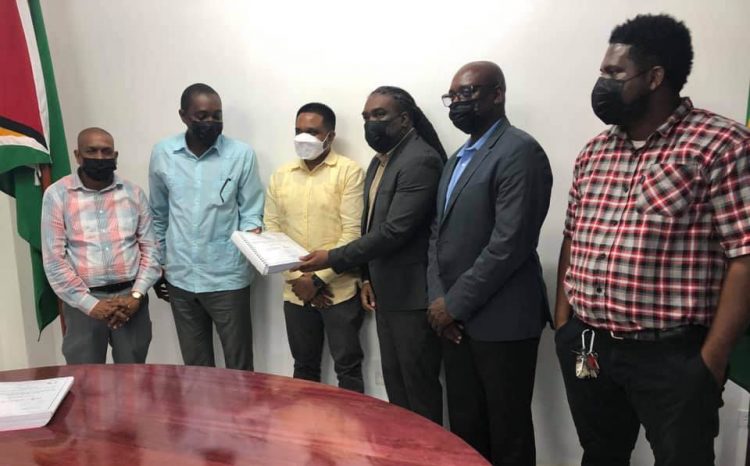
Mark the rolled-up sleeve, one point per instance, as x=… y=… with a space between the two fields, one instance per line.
x=574 y=197
x=730 y=198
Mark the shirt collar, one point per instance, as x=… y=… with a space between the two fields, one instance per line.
x=182 y=145
x=77 y=184
x=682 y=110
x=480 y=142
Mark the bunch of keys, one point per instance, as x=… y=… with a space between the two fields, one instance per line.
x=587 y=362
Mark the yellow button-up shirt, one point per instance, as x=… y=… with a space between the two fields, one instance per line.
x=319 y=209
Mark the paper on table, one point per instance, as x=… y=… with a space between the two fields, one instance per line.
x=31 y=403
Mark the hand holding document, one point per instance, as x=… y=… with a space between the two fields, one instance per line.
x=270 y=251
x=30 y=404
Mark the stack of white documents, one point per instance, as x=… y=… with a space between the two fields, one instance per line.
x=29 y=404
x=270 y=251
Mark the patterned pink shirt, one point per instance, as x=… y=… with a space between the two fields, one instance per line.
x=93 y=238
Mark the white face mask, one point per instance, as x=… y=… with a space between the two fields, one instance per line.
x=308 y=147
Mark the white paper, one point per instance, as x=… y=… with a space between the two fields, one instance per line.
x=270 y=251
x=31 y=403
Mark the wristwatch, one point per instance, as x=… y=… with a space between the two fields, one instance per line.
x=137 y=295
x=317 y=282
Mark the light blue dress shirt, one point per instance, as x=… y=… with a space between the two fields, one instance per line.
x=464 y=156
x=197 y=203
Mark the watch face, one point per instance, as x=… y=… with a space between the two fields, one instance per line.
x=136 y=295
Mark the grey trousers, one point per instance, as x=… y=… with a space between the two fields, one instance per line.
x=194 y=316
x=305 y=327
x=410 y=354
x=86 y=339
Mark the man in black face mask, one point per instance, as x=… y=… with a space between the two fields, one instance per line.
x=487 y=295
x=204 y=186
x=100 y=256
x=655 y=260
x=399 y=203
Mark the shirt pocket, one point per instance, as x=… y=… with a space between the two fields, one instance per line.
x=330 y=194
x=668 y=189
x=127 y=226
x=223 y=192
x=328 y=206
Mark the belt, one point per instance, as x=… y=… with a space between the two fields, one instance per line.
x=660 y=334
x=113 y=288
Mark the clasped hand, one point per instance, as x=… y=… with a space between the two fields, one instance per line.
x=442 y=322
x=116 y=311
x=304 y=288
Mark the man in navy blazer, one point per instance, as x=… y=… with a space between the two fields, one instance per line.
x=485 y=285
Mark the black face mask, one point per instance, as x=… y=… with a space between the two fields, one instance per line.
x=99 y=169
x=465 y=117
x=376 y=135
x=607 y=103
x=206 y=131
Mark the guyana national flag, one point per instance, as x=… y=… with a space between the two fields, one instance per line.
x=32 y=141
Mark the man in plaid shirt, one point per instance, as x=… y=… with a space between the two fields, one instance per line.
x=100 y=256
x=655 y=263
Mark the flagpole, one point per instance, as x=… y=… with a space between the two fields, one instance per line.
x=45 y=178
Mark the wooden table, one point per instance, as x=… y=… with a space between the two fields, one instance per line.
x=181 y=416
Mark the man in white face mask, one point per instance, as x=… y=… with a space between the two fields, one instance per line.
x=317 y=201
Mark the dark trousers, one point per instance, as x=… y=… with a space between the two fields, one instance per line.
x=663 y=385
x=410 y=358
x=305 y=327
x=86 y=339
x=490 y=385
x=194 y=314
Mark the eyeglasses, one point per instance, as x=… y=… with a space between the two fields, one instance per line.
x=464 y=93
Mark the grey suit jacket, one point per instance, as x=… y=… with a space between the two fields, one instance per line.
x=393 y=253
x=482 y=256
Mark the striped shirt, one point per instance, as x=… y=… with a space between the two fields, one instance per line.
x=94 y=238
x=652 y=228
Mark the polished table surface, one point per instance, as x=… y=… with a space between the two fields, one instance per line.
x=181 y=416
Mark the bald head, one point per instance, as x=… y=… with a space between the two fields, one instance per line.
x=86 y=135
x=476 y=97
x=95 y=143
x=482 y=73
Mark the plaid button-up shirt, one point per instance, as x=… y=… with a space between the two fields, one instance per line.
x=652 y=228
x=94 y=238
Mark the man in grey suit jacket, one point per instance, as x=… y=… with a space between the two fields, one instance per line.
x=488 y=298
x=399 y=199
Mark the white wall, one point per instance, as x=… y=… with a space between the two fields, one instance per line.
x=13 y=354
x=122 y=66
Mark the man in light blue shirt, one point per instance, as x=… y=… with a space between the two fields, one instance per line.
x=464 y=156
x=203 y=187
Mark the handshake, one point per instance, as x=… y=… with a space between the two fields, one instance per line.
x=116 y=311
